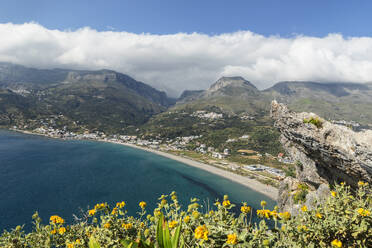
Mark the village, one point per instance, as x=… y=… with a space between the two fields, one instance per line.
x=180 y=146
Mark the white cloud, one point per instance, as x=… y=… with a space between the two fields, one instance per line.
x=191 y=61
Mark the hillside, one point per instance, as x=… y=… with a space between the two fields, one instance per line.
x=347 y=101
x=103 y=100
x=235 y=95
x=232 y=95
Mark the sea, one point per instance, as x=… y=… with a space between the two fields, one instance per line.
x=67 y=177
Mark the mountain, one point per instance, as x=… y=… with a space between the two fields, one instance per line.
x=232 y=95
x=347 y=101
x=101 y=99
x=340 y=101
x=112 y=101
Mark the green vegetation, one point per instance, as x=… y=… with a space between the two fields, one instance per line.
x=300 y=195
x=290 y=172
x=263 y=137
x=315 y=121
x=99 y=100
x=299 y=165
x=343 y=220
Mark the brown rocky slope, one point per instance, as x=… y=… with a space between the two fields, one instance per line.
x=325 y=153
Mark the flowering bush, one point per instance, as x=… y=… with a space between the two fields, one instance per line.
x=343 y=220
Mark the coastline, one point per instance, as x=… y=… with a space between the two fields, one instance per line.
x=253 y=184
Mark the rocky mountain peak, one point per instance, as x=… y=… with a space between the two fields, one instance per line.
x=325 y=153
x=230 y=81
x=93 y=76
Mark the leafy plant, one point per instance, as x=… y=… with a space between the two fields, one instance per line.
x=163 y=236
x=300 y=195
x=315 y=121
x=343 y=220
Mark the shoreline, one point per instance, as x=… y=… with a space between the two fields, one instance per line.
x=252 y=184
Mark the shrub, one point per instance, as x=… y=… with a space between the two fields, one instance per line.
x=343 y=220
x=300 y=195
x=315 y=121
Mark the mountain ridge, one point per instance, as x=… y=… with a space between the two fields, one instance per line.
x=102 y=99
x=118 y=98
x=332 y=100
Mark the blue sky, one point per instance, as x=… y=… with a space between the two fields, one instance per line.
x=267 y=17
x=176 y=45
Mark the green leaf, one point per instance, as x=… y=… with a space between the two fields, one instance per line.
x=166 y=236
x=176 y=236
x=159 y=231
x=93 y=243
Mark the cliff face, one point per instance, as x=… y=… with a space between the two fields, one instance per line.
x=324 y=153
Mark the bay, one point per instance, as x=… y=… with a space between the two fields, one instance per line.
x=65 y=177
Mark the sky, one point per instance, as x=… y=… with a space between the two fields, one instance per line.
x=175 y=45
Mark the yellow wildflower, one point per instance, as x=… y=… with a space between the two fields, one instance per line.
x=201 y=232
x=142 y=204
x=363 y=212
x=127 y=226
x=195 y=214
x=56 y=219
x=304 y=208
x=92 y=212
x=263 y=213
x=245 y=209
x=301 y=228
x=78 y=241
x=186 y=219
x=114 y=211
x=285 y=215
x=232 y=239
x=172 y=224
x=61 y=230
x=274 y=214
x=163 y=202
x=120 y=204
x=226 y=203
x=217 y=203
x=157 y=213
x=70 y=245
x=263 y=203
x=336 y=243
x=211 y=212
x=54 y=231
x=333 y=193
x=106 y=225
x=318 y=215
x=100 y=206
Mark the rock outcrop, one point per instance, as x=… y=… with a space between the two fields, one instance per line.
x=324 y=153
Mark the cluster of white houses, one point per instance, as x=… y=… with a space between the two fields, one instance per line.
x=260 y=167
x=178 y=143
x=207 y=115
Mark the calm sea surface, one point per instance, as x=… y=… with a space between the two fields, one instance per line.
x=65 y=177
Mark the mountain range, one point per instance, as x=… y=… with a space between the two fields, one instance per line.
x=101 y=99
x=112 y=101
x=333 y=100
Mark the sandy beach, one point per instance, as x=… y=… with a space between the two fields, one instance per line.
x=255 y=185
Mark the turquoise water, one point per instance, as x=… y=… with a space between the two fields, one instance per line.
x=66 y=177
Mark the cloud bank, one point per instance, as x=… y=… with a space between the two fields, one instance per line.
x=182 y=61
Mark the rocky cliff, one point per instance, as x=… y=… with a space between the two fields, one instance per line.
x=324 y=153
